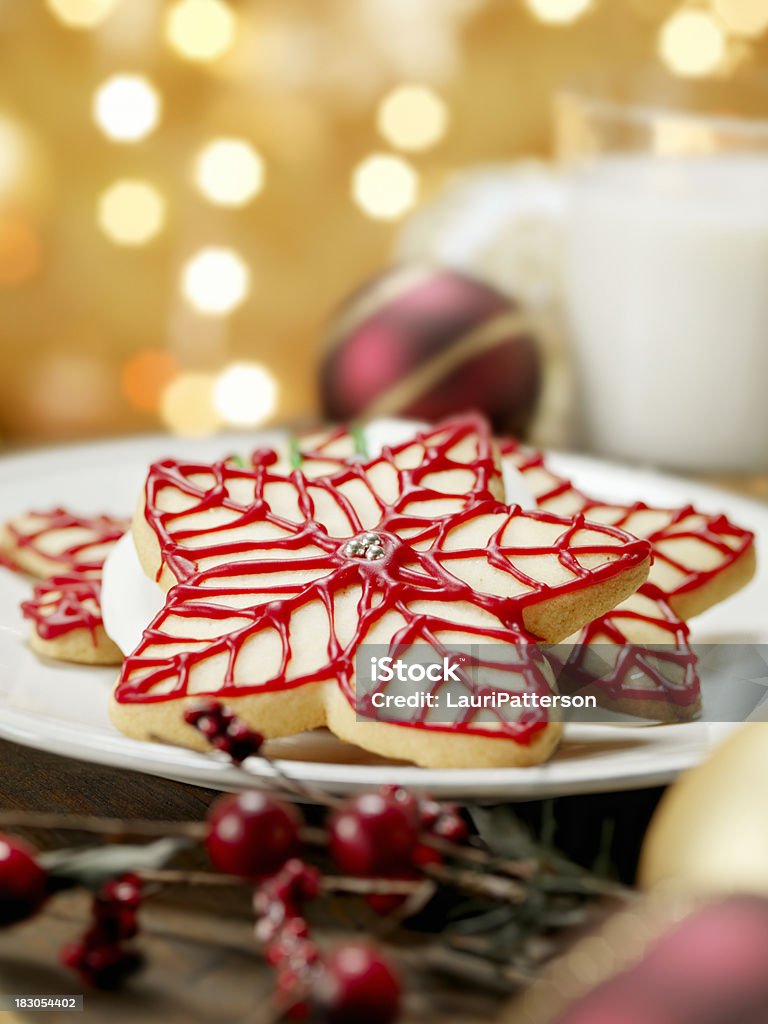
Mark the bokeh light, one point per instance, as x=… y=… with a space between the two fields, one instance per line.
x=81 y=13
x=229 y=172
x=558 y=12
x=131 y=212
x=186 y=406
x=215 y=281
x=126 y=107
x=20 y=254
x=412 y=117
x=384 y=186
x=692 y=43
x=145 y=376
x=12 y=154
x=70 y=392
x=200 y=30
x=245 y=394
x=743 y=17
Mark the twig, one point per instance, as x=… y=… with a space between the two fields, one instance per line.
x=116 y=828
x=496 y=887
x=522 y=869
x=329 y=883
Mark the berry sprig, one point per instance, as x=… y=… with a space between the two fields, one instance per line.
x=354 y=983
x=101 y=958
x=224 y=730
x=284 y=933
x=388 y=834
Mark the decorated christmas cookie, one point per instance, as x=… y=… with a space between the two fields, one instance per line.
x=57 y=542
x=637 y=660
x=67 y=552
x=277 y=579
x=698 y=559
x=65 y=612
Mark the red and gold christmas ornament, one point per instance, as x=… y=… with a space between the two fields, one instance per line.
x=426 y=343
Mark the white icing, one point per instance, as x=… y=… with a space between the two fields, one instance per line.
x=130 y=600
x=516 y=490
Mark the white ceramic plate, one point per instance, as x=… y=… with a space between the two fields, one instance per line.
x=62 y=709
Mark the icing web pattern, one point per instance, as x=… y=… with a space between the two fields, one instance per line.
x=73 y=549
x=269 y=597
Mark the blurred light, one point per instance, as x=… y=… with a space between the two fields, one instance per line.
x=145 y=376
x=412 y=117
x=12 y=154
x=558 y=12
x=126 y=107
x=681 y=136
x=187 y=405
x=200 y=30
x=70 y=391
x=385 y=187
x=81 y=13
x=131 y=212
x=692 y=43
x=743 y=17
x=20 y=255
x=229 y=172
x=215 y=281
x=245 y=394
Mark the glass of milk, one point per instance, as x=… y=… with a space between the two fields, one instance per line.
x=666 y=283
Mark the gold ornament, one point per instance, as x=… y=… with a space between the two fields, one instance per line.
x=710 y=832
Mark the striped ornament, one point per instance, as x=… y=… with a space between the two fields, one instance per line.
x=427 y=343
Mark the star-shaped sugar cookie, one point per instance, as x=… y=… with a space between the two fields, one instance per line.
x=275 y=580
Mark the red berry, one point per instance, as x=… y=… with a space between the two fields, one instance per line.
x=384 y=903
x=403 y=798
x=105 y=966
x=430 y=811
x=125 y=890
x=451 y=826
x=238 y=741
x=372 y=835
x=251 y=834
x=424 y=855
x=23 y=888
x=194 y=712
x=357 y=986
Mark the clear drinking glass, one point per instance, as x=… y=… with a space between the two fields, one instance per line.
x=666 y=281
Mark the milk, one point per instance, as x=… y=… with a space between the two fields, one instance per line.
x=667 y=299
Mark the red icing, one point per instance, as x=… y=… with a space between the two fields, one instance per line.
x=637 y=673
x=679 y=683
x=63 y=604
x=717 y=532
x=79 y=556
x=416 y=567
x=77 y=582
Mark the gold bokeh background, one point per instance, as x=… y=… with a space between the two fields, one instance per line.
x=301 y=81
